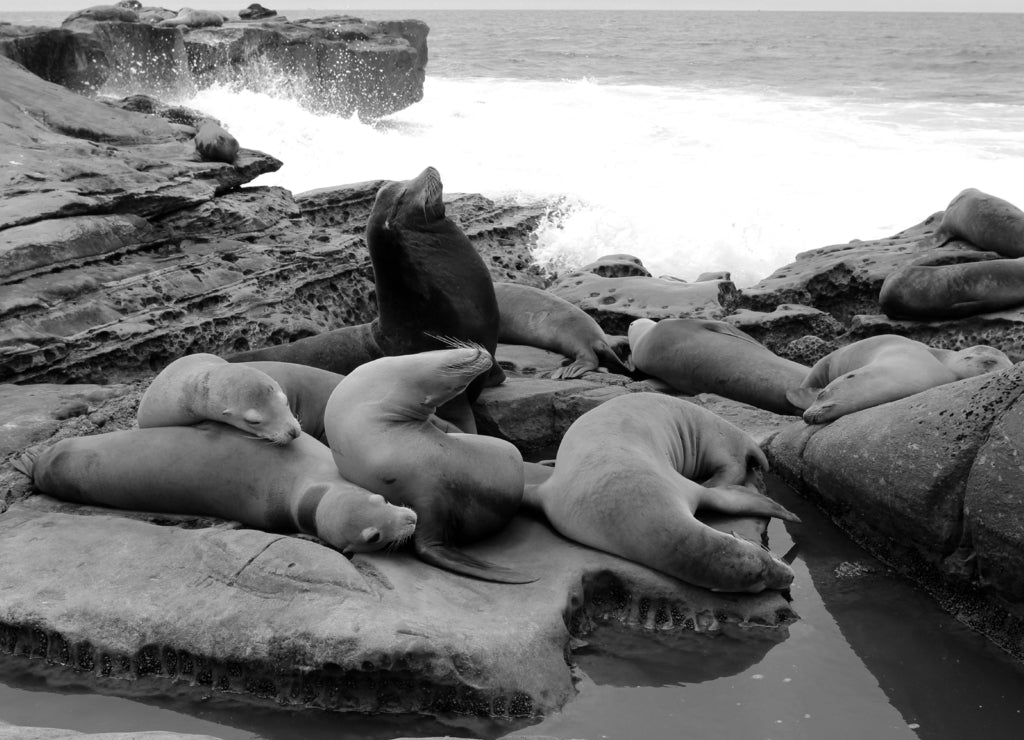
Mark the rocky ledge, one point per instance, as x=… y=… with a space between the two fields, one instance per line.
x=340 y=64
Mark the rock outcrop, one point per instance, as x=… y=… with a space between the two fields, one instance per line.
x=933 y=483
x=339 y=64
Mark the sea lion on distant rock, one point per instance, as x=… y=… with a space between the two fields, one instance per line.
x=463 y=487
x=926 y=292
x=885 y=368
x=431 y=284
x=214 y=144
x=215 y=470
x=121 y=13
x=540 y=319
x=628 y=478
x=700 y=356
x=193 y=19
x=987 y=222
x=256 y=11
x=203 y=386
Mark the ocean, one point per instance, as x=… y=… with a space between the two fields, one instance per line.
x=698 y=141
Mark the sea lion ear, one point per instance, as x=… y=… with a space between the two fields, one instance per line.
x=226 y=412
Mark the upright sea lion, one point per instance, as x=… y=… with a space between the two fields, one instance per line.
x=987 y=222
x=628 y=478
x=926 y=292
x=464 y=487
x=698 y=356
x=541 y=319
x=431 y=284
x=885 y=368
x=215 y=470
x=204 y=386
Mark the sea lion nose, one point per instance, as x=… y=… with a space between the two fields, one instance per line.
x=295 y=432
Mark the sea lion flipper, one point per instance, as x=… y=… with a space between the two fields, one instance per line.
x=25 y=463
x=456 y=561
x=744 y=501
x=571 y=370
x=720 y=327
x=802 y=398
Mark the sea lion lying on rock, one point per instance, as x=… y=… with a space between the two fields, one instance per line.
x=630 y=474
x=214 y=144
x=987 y=222
x=215 y=470
x=885 y=368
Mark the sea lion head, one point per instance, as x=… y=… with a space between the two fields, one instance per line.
x=637 y=329
x=254 y=402
x=352 y=519
x=977 y=360
x=414 y=203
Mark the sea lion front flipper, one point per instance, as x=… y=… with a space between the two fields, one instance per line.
x=720 y=327
x=455 y=561
x=25 y=463
x=802 y=398
x=572 y=370
x=741 y=500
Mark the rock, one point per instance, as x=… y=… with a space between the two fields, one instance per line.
x=615 y=302
x=1002 y=329
x=255 y=12
x=338 y=64
x=617 y=265
x=787 y=323
x=19 y=732
x=931 y=483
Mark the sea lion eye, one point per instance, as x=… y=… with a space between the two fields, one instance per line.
x=253 y=417
x=371 y=535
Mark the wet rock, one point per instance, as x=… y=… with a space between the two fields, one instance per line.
x=615 y=302
x=931 y=483
x=338 y=64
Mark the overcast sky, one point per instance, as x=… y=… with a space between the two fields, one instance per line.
x=284 y=5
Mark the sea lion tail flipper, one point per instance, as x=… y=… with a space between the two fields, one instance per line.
x=742 y=500
x=802 y=398
x=456 y=561
x=25 y=463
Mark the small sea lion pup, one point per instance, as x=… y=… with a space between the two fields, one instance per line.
x=987 y=222
x=214 y=144
x=925 y=292
x=212 y=469
x=885 y=368
x=463 y=487
x=430 y=283
x=204 y=386
x=630 y=474
x=541 y=319
x=697 y=356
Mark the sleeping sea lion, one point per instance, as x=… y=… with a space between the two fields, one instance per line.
x=629 y=476
x=987 y=222
x=699 y=356
x=885 y=368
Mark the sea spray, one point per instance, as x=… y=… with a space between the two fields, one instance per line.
x=689 y=179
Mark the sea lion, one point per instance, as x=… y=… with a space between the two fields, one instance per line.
x=628 y=478
x=698 y=356
x=885 y=368
x=214 y=144
x=924 y=292
x=204 y=386
x=194 y=19
x=987 y=222
x=541 y=319
x=308 y=389
x=464 y=487
x=211 y=469
x=431 y=284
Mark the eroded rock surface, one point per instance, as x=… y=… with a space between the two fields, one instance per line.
x=933 y=483
x=339 y=64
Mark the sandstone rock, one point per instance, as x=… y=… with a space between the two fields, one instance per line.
x=338 y=64
x=931 y=482
x=1002 y=329
x=617 y=265
x=615 y=302
x=788 y=322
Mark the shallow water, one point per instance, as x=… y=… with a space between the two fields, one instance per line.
x=871 y=656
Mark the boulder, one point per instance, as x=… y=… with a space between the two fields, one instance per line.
x=337 y=64
x=615 y=302
x=932 y=483
x=255 y=12
x=787 y=323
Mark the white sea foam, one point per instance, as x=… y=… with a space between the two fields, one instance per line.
x=689 y=180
